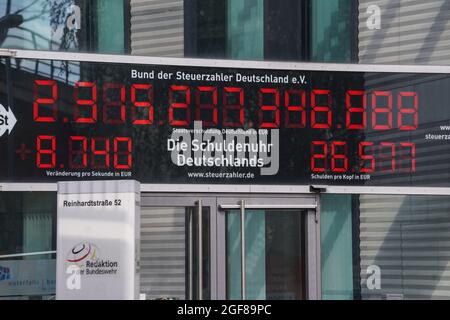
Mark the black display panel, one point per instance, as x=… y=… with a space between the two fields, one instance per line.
x=194 y=124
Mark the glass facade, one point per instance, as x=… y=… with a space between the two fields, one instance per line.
x=64 y=25
x=385 y=247
x=336 y=232
x=27 y=225
x=275 y=255
x=245 y=37
x=333 y=37
x=372 y=246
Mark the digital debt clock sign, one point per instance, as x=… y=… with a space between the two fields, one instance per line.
x=70 y=120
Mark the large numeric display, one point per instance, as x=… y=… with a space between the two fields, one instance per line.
x=101 y=120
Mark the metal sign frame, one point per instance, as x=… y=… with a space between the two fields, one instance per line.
x=178 y=188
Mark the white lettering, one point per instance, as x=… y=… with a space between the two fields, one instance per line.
x=374 y=20
x=74 y=20
x=374 y=280
x=74 y=280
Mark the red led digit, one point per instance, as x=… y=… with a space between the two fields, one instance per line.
x=411 y=158
x=291 y=108
x=389 y=158
x=107 y=103
x=102 y=152
x=45 y=101
x=342 y=156
x=408 y=111
x=142 y=104
x=355 y=110
x=318 y=156
x=127 y=152
x=92 y=102
x=364 y=158
x=377 y=110
x=227 y=107
x=269 y=108
x=181 y=106
x=212 y=107
x=76 y=153
x=316 y=109
x=40 y=163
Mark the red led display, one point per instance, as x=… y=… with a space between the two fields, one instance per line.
x=77 y=152
x=350 y=123
x=179 y=107
x=211 y=107
x=89 y=104
x=404 y=111
x=230 y=108
x=367 y=159
x=292 y=109
x=100 y=155
x=269 y=108
x=45 y=155
x=316 y=109
x=379 y=111
x=320 y=109
x=123 y=149
x=317 y=104
x=142 y=105
x=386 y=157
x=319 y=151
x=81 y=148
x=407 y=153
x=370 y=155
x=39 y=101
x=109 y=104
x=339 y=160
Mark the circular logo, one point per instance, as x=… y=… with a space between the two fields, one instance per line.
x=81 y=252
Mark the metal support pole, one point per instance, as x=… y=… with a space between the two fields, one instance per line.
x=243 y=268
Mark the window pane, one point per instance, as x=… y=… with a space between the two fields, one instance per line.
x=275 y=255
x=110 y=22
x=333 y=25
x=27 y=225
x=245 y=36
x=407 y=238
x=336 y=240
x=385 y=247
x=64 y=25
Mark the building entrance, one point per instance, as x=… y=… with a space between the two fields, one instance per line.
x=229 y=247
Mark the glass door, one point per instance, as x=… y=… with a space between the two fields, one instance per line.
x=175 y=247
x=271 y=249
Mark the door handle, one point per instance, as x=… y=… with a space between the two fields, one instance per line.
x=190 y=253
x=267 y=206
x=243 y=259
x=200 y=250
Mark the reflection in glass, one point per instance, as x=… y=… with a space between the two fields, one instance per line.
x=63 y=25
x=407 y=237
x=27 y=225
x=169 y=254
x=275 y=255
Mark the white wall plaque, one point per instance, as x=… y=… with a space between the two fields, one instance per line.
x=98 y=240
